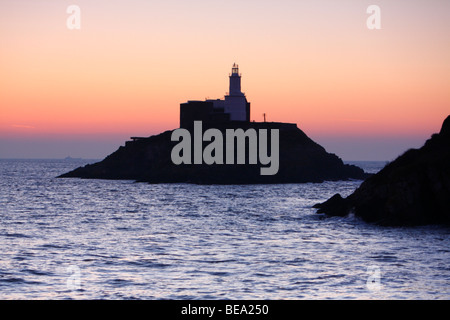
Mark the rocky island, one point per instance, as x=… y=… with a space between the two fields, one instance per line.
x=298 y=158
x=412 y=190
x=149 y=160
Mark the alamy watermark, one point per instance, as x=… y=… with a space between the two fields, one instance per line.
x=373 y=282
x=374 y=20
x=73 y=282
x=258 y=148
x=73 y=22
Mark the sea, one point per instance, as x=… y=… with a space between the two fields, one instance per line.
x=82 y=239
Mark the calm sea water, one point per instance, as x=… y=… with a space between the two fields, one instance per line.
x=99 y=239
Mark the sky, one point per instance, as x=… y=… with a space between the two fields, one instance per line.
x=362 y=93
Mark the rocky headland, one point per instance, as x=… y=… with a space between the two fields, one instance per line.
x=412 y=190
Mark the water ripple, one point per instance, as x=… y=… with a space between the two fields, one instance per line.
x=126 y=240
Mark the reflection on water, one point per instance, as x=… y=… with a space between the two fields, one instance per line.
x=100 y=239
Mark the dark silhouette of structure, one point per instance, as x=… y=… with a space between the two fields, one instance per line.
x=234 y=107
x=149 y=159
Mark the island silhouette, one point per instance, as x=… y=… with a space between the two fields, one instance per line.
x=148 y=159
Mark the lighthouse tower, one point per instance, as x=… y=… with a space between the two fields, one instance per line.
x=235 y=81
x=235 y=102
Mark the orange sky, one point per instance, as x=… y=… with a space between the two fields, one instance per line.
x=314 y=63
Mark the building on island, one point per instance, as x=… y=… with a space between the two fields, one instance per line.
x=234 y=107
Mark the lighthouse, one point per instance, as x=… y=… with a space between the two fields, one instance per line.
x=234 y=107
x=235 y=102
x=235 y=81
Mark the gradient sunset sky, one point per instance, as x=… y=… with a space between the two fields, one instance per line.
x=362 y=94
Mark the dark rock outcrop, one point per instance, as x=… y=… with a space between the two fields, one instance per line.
x=412 y=190
x=149 y=160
